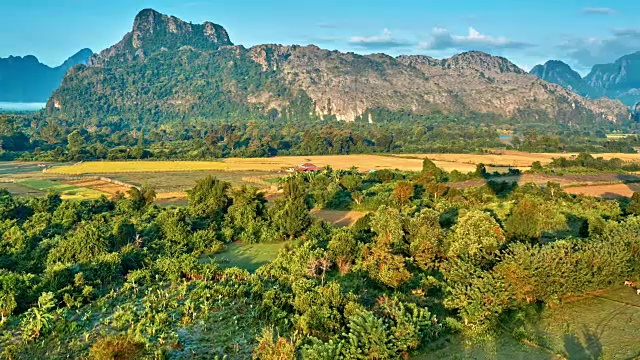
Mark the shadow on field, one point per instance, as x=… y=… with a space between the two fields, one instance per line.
x=576 y=349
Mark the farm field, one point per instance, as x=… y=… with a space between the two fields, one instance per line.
x=602 y=325
x=508 y=158
x=171 y=179
x=275 y=164
x=21 y=190
x=567 y=181
x=98 y=185
x=247 y=256
x=15 y=167
x=168 y=182
x=407 y=162
x=66 y=191
x=605 y=191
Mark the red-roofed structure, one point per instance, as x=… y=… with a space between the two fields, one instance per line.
x=308 y=167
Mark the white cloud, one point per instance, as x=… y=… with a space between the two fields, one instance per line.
x=598 y=11
x=586 y=52
x=384 y=41
x=442 y=39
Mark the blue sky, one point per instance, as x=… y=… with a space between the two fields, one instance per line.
x=580 y=32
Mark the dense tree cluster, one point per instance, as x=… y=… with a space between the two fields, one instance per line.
x=45 y=137
x=585 y=162
x=122 y=276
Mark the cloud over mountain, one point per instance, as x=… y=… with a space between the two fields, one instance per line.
x=586 y=52
x=386 y=40
x=442 y=39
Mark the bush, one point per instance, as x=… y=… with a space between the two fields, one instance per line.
x=117 y=347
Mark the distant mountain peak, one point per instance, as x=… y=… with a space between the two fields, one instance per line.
x=482 y=61
x=26 y=79
x=470 y=60
x=153 y=32
x=619 y=80
x=80 y=58
x=559 y=72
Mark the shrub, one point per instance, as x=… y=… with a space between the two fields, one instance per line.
x=273 y=347
x=117 y=347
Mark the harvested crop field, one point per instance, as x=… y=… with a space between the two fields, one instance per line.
x=610 y=191
x=338 y=218
x=274 y=164
x=407 y=162
x=106 y=167
x=510 y=158
x=582 y=180
x=99 y=185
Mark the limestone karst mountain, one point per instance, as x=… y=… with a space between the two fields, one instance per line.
x=168 y=69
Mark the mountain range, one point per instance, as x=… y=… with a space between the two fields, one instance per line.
x=619 y=80
x=25 y=79
x=167 y=69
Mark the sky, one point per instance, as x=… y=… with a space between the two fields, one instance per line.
x=580 y=32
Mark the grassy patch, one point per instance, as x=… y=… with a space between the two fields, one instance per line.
x=170 y=182
x=603 y=325
x=66 y=191
x=248 y=256
x=504 y=347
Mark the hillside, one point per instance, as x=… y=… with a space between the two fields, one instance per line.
x=25 y=79
x=166 y=69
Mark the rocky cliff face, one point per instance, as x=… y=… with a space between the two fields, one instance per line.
x=558 y=72
x=620 y=80
x=153 y=32
x=344 y=85
x=25 y=79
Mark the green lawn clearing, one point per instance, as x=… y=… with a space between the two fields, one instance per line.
x=248 y=256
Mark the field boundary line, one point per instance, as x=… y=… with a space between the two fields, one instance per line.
x=617 y=301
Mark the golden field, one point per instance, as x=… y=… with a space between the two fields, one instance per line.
x=605 y=191
x=407 y=162
x=363 y=162
x=110 y=167
x=517 y=159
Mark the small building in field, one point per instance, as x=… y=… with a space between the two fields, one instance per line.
x=308 y=167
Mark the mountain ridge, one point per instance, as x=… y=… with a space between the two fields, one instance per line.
x=26 y=79
x=618 y=80
x=197 y=65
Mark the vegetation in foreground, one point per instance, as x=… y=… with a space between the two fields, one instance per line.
x=122 y=278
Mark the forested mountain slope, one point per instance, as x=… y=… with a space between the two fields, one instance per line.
x=166 y=69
